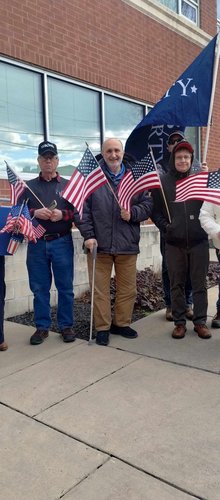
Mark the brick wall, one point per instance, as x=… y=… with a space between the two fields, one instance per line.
x=4 y=190
x=109 y=44
x=106 y=43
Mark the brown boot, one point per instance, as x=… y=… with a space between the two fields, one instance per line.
x=203 y=331
x=179 y=332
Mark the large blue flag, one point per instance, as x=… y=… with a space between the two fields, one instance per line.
x=185 y=104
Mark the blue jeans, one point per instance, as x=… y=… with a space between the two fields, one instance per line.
x=43 y=258
x=166 y=280
x=2 y=296
x=218 y=301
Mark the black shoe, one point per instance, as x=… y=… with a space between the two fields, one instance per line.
x=102 y=337
x=68 y=334
x=38 y=337
x=124 y=331
x=216 y=320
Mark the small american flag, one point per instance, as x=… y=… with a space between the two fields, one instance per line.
x=87 y=177
x=14 y=243
x=17 y=185
x=38 y=229
x=141 y=177
x=204 y=186
x=19 y=222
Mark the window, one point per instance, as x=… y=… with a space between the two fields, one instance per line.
x=187 y=8
x=74 y=117
x=33 y=102
x=121 y=117
x=21 y=125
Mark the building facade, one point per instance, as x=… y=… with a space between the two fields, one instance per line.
x=78 y=71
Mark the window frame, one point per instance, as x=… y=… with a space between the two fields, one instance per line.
x=178 y=10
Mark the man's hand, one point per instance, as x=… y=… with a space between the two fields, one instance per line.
x=43 y=213
x=125 y=214
x=56 y=215
x=89 y=244
x=204 y=167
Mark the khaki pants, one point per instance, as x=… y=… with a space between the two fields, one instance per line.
x=125 y=271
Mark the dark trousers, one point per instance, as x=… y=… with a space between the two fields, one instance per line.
x=166 y=280
x=218 y=301
x=180 y=261
x=2 y=296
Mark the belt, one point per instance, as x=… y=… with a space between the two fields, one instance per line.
x=54 y=236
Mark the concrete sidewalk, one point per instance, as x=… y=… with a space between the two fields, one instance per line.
x=138 y=420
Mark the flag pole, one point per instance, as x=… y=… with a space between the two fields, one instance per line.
x=32 y=192
x=94 y=254
x=161 y=187
x=108 y=183
x=215 y=72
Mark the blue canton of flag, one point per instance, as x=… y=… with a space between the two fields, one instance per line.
x=87 y=163
x=185 y=104
x=214 y=180
x=143 y=167
x=142 y=177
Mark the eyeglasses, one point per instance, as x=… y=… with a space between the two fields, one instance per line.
x=182 y=157
x=174 y=141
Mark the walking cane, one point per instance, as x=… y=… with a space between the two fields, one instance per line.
x=94 y=253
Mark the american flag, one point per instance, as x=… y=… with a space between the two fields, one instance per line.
x=87 y=177
x=14 y=243
x=141 y=177
x=19 y=222
x=17 y=185
x=38 y=229
x=204 y=186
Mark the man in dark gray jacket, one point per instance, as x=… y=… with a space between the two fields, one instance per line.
x=116 y=232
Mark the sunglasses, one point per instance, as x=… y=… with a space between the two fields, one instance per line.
x=173 y=141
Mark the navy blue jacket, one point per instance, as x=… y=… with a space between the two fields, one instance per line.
x=102 y=219
x=185 y=229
